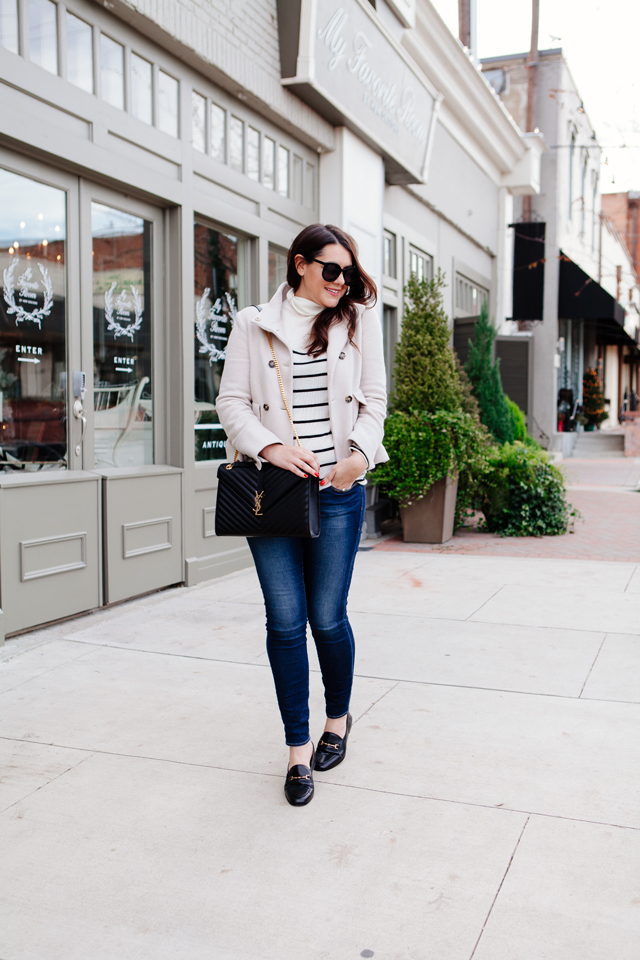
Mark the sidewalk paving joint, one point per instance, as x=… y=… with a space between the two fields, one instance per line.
x=493 y=903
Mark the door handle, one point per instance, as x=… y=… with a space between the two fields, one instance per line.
x=78 y=412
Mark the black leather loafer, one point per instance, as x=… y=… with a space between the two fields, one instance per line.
x=332 y=749
x=298 y=784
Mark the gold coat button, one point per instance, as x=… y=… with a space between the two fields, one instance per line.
x=348 y=399
x=265 y=406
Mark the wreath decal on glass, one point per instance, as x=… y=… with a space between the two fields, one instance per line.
x=211 y=316
x=114 y=325
x=27 y=286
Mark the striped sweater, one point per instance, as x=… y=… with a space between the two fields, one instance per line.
x=310 y=409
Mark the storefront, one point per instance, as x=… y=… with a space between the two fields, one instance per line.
x=151 y=188
x=140 y=207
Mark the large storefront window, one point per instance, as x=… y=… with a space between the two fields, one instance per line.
x=219 y=274
x=32 y=325
x=122 y=327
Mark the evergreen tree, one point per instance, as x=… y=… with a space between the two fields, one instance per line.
x=484 y=374
x=469 y=402
x=425 y=372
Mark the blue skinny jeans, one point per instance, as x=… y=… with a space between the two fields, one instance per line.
x=307 y=580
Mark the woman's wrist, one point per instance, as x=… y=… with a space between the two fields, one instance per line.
x=265 y=450
x=359 y=455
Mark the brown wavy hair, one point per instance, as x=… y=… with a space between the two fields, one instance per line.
x=309 y=244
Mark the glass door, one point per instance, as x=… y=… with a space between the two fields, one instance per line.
x=122 y=336
x=33 y=325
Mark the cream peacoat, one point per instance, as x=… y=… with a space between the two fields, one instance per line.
x=249 y=403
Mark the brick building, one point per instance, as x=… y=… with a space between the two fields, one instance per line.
x=623 y=211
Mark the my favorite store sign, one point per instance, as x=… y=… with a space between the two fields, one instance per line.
x=338 y=57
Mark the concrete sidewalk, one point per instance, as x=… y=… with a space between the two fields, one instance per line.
x=488 y=807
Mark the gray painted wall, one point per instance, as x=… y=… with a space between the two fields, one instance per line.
x=461 y=190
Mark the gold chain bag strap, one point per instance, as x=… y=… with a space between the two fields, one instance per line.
x=266 y=502
x=284 y=399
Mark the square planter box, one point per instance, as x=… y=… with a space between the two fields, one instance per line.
x=430 y=520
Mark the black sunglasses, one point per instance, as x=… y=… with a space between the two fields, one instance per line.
x=331 y=271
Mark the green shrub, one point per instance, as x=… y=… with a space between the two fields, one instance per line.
x=425 y=447
x=523 y=494
x=518 y=420
x=484 y=374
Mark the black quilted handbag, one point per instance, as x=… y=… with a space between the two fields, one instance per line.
x=270 y=502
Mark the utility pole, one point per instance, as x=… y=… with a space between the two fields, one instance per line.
x=532 y=64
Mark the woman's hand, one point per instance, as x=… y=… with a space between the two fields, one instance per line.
x=296 y=459
x=346 y=472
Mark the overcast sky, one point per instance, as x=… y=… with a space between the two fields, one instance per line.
x=600 y=40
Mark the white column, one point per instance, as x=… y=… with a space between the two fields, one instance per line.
x=504 y=265
x=352 y=196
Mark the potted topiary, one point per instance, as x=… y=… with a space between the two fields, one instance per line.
x=434 y=441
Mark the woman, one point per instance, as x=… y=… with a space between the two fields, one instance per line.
x=328 y=342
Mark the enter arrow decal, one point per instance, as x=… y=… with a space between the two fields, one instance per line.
x=28 y=360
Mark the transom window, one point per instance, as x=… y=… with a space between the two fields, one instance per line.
x=469 y=297
x=72 y=56
x=420 y=264
x=248 y=150
x=9 y=25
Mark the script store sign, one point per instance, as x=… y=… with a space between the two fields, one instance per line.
x=339 y=58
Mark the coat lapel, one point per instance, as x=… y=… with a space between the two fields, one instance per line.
x=270 y=317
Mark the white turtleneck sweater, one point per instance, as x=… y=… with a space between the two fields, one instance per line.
x=310 y=408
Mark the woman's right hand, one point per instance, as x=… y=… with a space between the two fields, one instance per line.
x=296 y=459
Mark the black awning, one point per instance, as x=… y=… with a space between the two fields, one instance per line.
x=610 y=332
x=580 y=297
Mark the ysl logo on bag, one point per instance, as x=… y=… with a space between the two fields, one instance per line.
x=258 y=503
